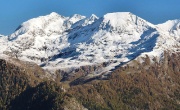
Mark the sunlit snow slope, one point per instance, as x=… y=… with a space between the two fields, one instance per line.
x=58 y=42
x=3 y=43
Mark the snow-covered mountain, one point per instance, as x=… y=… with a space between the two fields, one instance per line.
x=3 y=43
x=171 y=27
x=58 y=42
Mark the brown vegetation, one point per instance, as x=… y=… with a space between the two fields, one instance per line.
x=142 y=86
x=135 y=86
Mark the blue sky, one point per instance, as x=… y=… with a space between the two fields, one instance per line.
x=14 y=12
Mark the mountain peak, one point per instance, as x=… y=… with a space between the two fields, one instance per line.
x=119 y=19
x=118 y=14
x=93 y=16
x=171 y=28
x=54 y=14
x=170 y=25
x=77 y=40
x=77 y=16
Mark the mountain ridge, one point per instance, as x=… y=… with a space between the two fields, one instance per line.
x=118 y=61
x=58 y=42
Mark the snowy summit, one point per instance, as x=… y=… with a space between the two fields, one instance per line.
x=58 y=42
